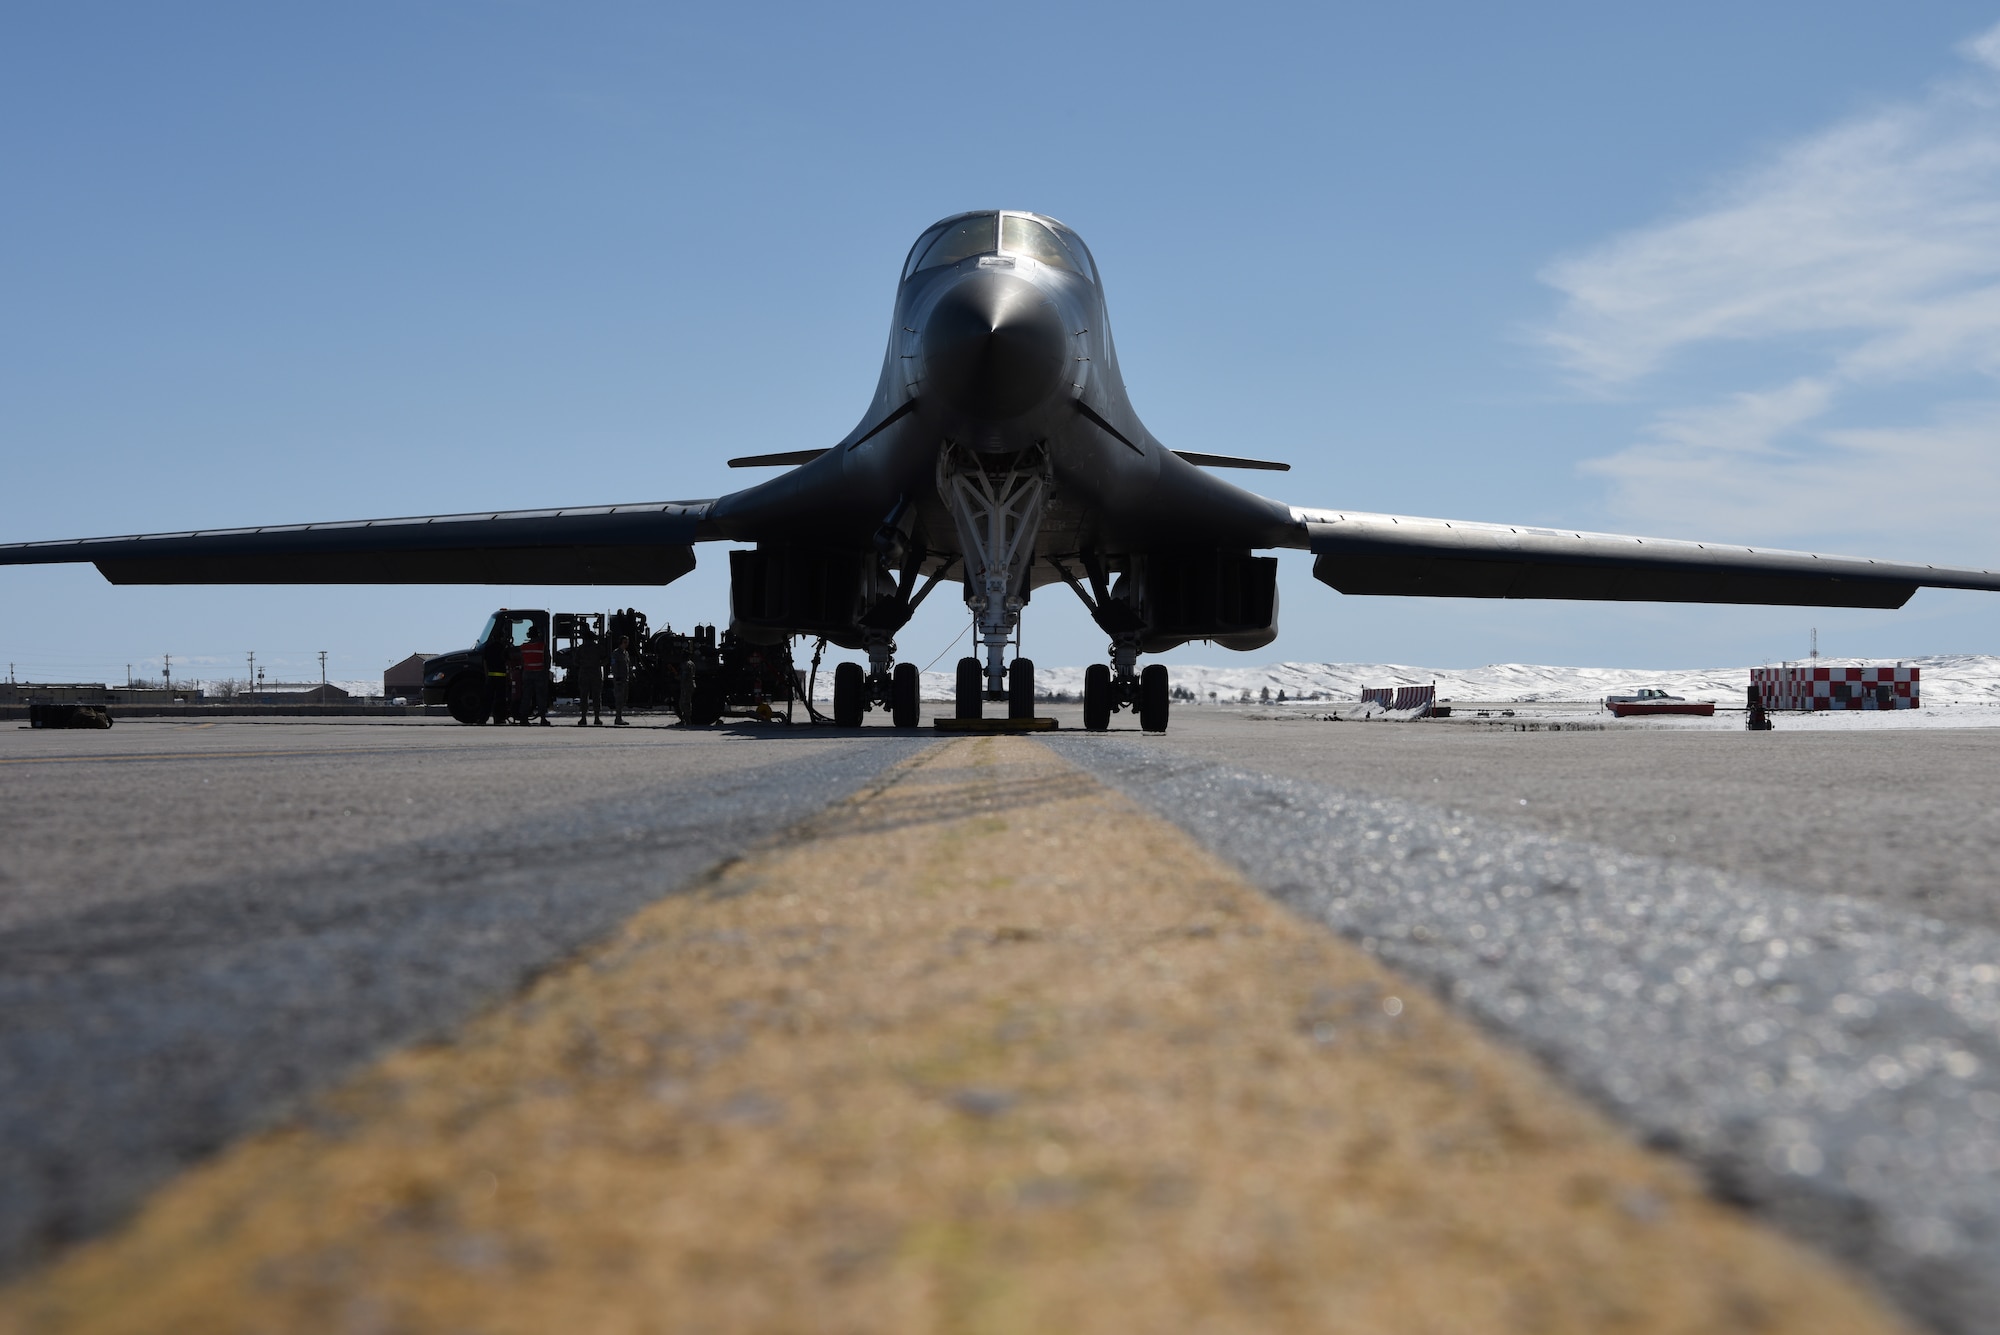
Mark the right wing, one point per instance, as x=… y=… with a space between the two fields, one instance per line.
x=609 y=544
x=1456 y=558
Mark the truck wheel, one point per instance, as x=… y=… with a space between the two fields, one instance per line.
x=849 y=698
x=466 y=700
x=908 y=710
x=1021 y=688
x=970 y=696
x=1096 y=698
x=1153 y=698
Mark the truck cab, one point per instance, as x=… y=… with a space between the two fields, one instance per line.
x=458 y=680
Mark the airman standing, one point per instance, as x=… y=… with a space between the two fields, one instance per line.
x=586 y=669
x=621 y=680
x=494 y=655
x=535 y=676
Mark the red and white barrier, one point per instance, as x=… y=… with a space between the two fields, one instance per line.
x=1398 y=698
x=1811 y=688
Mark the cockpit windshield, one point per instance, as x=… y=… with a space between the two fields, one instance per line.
x=963 y=239
x=1025 y=236
x=986 y=234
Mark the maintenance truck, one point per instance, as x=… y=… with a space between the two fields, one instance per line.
x=700 y=677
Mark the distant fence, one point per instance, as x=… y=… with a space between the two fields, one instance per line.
x=1812 y=688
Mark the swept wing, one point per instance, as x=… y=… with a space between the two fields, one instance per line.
x=648 y=543
x=1357 y=552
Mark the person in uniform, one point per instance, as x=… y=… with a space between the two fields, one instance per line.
x=621 y=680
x=535 y=676
x=494 y=654
x=586 y=667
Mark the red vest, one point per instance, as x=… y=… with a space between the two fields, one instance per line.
x=533 y=658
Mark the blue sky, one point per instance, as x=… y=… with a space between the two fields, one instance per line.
x=1707 y=271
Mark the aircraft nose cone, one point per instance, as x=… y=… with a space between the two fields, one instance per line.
x=994 y=346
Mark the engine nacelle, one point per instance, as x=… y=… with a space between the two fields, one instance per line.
x=1228 y=597
x=780 y=591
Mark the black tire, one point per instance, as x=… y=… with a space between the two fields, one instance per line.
x=1096 y=698
x=907 y=708
x=1154 y=699
x=849 y=695
x=465 y=700
x=1021 y=688
x=708 y=703
x=970 y=697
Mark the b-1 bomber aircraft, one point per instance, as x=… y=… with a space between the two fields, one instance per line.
x=1000 y=451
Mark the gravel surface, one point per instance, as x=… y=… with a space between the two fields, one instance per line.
x=1908 y=818
x=221 y=920
x=1831 y=1062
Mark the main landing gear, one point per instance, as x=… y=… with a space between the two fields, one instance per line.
x=856 y=691
x=1109 y=689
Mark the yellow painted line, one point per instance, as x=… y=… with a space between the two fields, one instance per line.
x=986 y=1049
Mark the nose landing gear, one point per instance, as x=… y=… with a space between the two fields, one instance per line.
x=970 y=696
x=997 y=516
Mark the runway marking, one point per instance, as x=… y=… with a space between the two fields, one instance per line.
x=985 y=1048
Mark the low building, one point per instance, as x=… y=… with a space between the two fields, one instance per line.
x=93 y=693
x=295 y=693
x=405 y=678
x=54 y=692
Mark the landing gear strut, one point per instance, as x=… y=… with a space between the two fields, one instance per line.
x=997 y=516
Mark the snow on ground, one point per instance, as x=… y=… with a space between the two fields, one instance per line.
x=1946 y=679
x=215 y=687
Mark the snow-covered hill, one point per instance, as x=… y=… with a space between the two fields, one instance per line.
x=1946 y=679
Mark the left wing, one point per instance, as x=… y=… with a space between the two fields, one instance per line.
x=610 y=544
x=1455 y=558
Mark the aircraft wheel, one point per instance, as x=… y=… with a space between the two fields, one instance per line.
x=1021 y=688
x=1153 y=698
x=466 y=700
x=1096 y=698
x=971 y=693
x=907 y=710
x=849 y=695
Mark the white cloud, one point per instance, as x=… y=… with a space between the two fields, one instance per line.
x=1869 y=252
x=1924 y=492
x=1985 y=48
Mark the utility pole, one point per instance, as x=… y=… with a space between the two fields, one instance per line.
x=128 y=673
x=1815 y=644
x=322 y=674
x=167 y=672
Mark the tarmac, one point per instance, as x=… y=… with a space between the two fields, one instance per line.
x=1754 y=980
